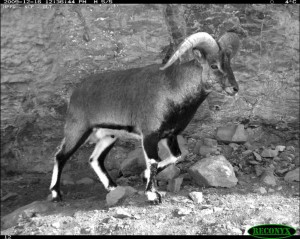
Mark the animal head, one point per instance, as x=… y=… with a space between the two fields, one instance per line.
x=214 y=57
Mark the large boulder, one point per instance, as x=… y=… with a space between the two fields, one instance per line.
x=119 y=193
x=168 y=173
x=213 y=171
x=134 y=164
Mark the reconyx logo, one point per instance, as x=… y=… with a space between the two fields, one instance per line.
x=271 y=231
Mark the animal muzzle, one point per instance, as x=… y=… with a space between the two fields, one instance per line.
x=231 y=90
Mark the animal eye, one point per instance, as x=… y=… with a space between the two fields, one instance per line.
x=214 y=66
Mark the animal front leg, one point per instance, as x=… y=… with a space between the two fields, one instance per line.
x=102 y=148
x=151 y=155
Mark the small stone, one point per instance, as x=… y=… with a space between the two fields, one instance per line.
x=56 y=225
x=205 y=150
x=197 y=147
x=225 y=133
x=190 y=158
x=279 y=188
x=49 y=198
x=217 y=209
x=247 y=152
x=236 y=231
x=290 y=148
x=258 y=170
x=141 y=193
x=183 y=211
x=121 y=213
x=9 y=196
x=253 y=162
x=236 y=169
x=106 y=220
x=257 y=156
x=137 y=217
x=248 y=146
x=271 y=190
x=296 y=161
x=276 y=158
x=282 y=171
x=240 y=182
x=206 y=211
x=163 y=193
x=85 y=181
x=269 y=153
x=210 y=142
x=174 y=184
x=262 y=190
x=268 y=176
x=269 y=180
x=86 y=230
x=240 y=135
x=234 y=146
x=280 y=148
x=197 y=197
x=292 y=176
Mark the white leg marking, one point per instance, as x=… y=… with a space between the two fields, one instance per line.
x=55 y=169
x=54 y=175
x=151 y=196
x=100 y=147
x=148 y=165
x=54 y=194
x=171 y=159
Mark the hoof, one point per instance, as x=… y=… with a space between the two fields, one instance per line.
x=111 y=188
x=154 y=198
x=55 y=197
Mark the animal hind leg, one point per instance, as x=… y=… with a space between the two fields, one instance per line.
x=102 y=148
x=69 y=145
x=171 y=144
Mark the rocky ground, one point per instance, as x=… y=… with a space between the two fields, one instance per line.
x=224 y=184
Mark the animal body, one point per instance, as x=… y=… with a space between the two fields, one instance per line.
x=152 y=103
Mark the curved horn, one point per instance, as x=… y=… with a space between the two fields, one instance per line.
x=230 y=41
x=202 y=40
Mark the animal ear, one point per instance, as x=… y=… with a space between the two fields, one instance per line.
x=199 y=56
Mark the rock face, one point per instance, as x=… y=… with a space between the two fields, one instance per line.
x=213 y=171
x=44 y=54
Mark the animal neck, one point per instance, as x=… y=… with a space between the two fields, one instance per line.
x=186 y=80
